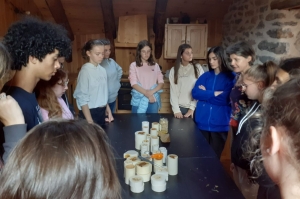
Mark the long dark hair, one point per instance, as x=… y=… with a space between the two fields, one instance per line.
x=138 y=59
x=181 y=49
x=222 y=58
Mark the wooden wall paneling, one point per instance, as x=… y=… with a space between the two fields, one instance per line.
x=85 y=17
x=44 y=10
x=124 y=57
x=8 y=14
x=134 y=7
x=57 y=10
x=132 y=29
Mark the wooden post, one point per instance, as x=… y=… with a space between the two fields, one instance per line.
x=285 y=5
x=109 y=24
x=57 y=10
x=159 y=26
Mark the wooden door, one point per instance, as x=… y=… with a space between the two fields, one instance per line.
x=174 y=37
x=196 y=36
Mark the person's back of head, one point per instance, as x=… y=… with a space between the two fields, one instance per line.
x=61 y=159
x=280 y=139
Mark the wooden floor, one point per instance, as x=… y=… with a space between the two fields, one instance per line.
x=225 y=157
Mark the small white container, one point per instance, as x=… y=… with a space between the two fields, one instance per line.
x=154 y=141
x=172 y=164
x=143 y=168
x=155 y=125
x=158 y=183
x=145 y=123
x=157 y=164
x=131 y=153
x=129 y=172
x=165 y=152
x=136 y=184
x=140 y=136
x=146 y=177
x=155 y=147
x=154 y=131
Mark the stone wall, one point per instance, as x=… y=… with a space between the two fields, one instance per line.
x=274 y=34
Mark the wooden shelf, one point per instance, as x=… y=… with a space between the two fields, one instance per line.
x=125 y=45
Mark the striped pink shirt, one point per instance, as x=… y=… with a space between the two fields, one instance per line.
x=146 y=75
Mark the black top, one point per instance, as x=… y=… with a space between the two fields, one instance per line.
x=28 y=103
x=267 y=188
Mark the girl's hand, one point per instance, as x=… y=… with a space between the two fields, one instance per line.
x=108 y=113
x=218 y=93
x=90 y=121
x=189 y=113
x=151 y=99
x=109 y=118
x=149 y=93
x=202 y=87
x=10 y=111
x=178 y=115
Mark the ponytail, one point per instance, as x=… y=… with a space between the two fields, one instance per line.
x=265 y=72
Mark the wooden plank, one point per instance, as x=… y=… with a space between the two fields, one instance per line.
x=43 y=7
x=109 y=24
x=132 y=29
x=285 y=4
x=125 y=45
x=159 y=26
x=58 y=13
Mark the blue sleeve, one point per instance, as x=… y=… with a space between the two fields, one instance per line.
x=81 y=93
x=199 y=94
x=223 y=99
x=119 y=70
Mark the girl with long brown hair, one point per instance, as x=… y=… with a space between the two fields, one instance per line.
x=50 y=97
x=182 y=80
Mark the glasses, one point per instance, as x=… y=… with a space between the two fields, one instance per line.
x=63 y=83
x=146 y=52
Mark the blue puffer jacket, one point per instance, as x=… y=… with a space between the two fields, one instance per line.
x=213 y=113
x=141 y=101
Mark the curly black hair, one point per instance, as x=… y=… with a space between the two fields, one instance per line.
x=33 y=37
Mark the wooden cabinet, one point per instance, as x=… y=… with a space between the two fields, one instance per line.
x=192 y=34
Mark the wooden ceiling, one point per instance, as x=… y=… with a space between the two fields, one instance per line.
x=85 y=17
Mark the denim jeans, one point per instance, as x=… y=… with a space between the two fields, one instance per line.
x=152 y=108
x=112 y=106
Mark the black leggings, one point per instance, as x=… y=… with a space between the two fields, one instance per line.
x=216 y=140
x=98 y=115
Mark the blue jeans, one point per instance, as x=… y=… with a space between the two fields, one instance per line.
x=152 y=108
x=112 y=106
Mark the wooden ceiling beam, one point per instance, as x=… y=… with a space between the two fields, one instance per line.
x=285 y=4
x=58 y=13
x=159 y=25
x=109 y=23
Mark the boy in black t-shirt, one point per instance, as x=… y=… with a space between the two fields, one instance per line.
x=34 y=47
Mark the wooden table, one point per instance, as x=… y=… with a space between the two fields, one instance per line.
x=200 y=173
